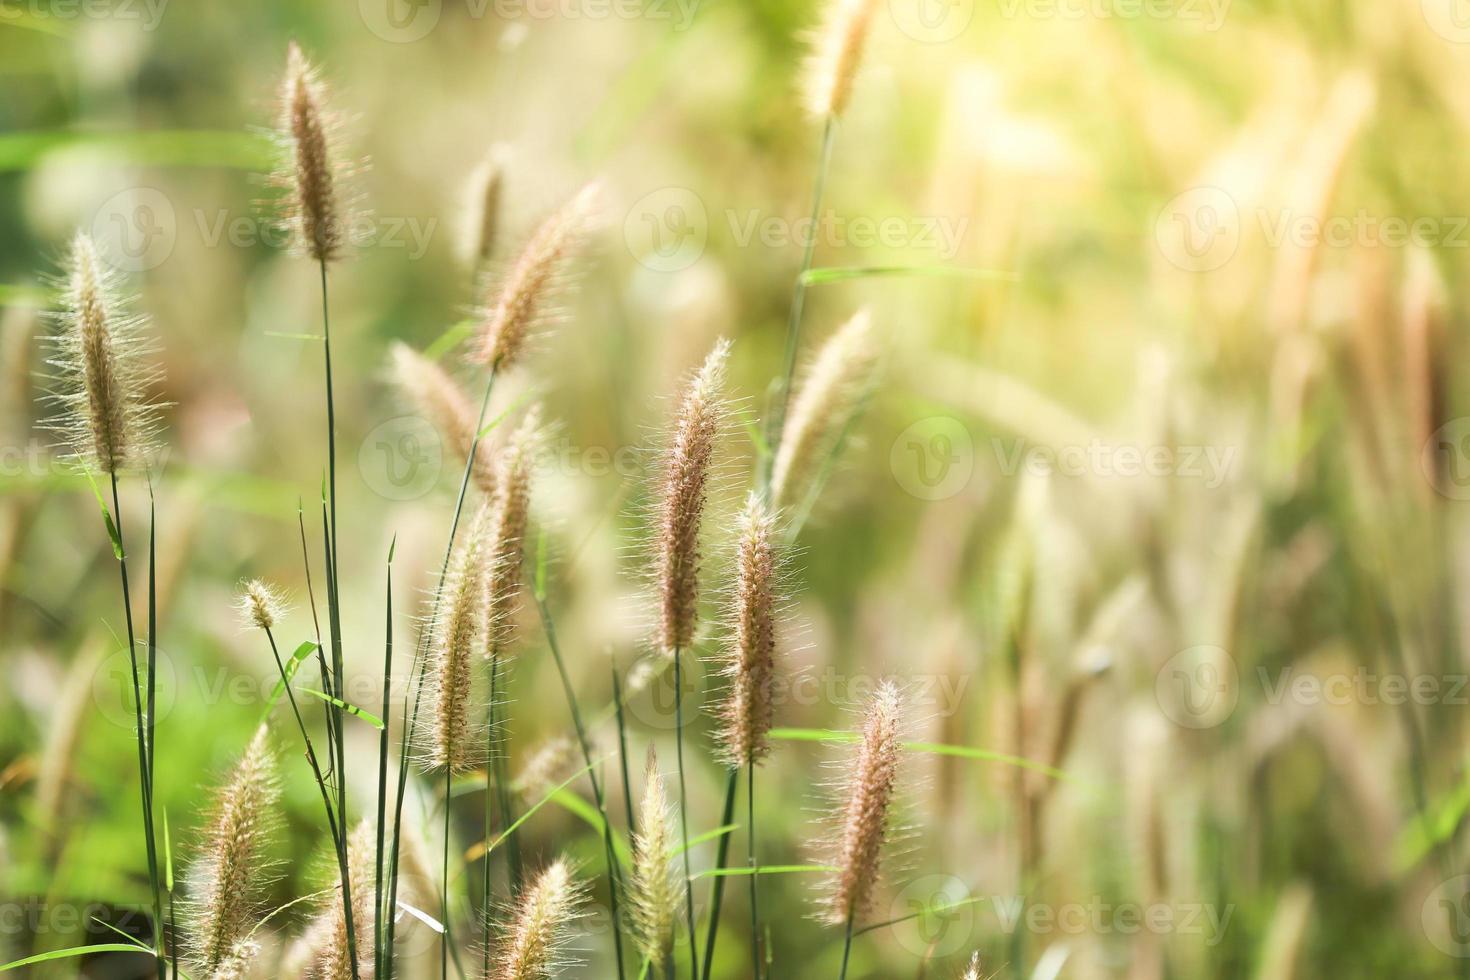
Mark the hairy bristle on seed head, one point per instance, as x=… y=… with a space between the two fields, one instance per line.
x=322 y=953
x=867 y=797
x=549 y=764
x=837 y=50
x=432 y=391
x=458 y=632
x=226 y=883
x=684 y=487
x=260 y=604
x=107 y=421
x=520 y=304
x=828 y=396
x=505 y=535
x=315 y=216
x=531 y=947
x=653 y=893
x=750 y=660
x=238 y=963
x=972 y=972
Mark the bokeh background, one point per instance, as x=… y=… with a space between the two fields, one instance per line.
x=1163 y=482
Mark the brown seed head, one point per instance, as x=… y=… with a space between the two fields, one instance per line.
x=226 y=883
x=431 y=390
x=750 y=661
x=522 y=300
x=530 y=949
x=483 y=214
x=654 y=892
x=314 y=214
x=458 y=632
x=505 y=537
x=837 y=50
x=868 y=798
x=260 y=604
x=107 y=422
x=828 y=397
x=682 y=492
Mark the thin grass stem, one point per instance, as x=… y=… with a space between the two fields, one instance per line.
x=717 y=889
x=684 y=807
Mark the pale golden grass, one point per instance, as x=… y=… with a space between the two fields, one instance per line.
x=654 y=890
x=314 y=206
x=837 y=51
x=438 y=397
x=749 y=662
x=533 y=945
x=458 y=634
x=506 y=530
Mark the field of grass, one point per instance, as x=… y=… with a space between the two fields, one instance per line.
x=482 y=479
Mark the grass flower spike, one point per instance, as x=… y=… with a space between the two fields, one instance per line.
x=225 y=884
x=108 y=424
x=433 y=392
x=654 y=890
x=457 y=635
x=750 y=662
x=837 y=51
x=506 y=531
x=523 y=298
x=260 y=604
x=314 y=211
x=531 y=947
x=867 y=796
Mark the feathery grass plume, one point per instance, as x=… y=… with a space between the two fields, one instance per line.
x=547 y=766
x=837 y=50
x=237 y=963
x=314 y=211
x=972 y=972
x=505 y=535
x=225 y=884
x=432 y=391
x=260 y=604
x=101 y=382
x=522 y=301
x=867 y=796
x=531 y=948
x=458 y=632
x=321 y=952
x=829 y=395
x=482 y=217
x=682 y=492
x=750 y=661
x=654 y=891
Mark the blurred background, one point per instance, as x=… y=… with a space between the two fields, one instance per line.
x=1163 y=483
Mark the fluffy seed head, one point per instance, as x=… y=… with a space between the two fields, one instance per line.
x=522 y=300
x=238 y=963
x=750 y=660
x=433 y=392
x=483 y=213
x=226 y=883
x=314 y=213
x=260 y=604
x=505 y=536
x=654 y=892
x=868 y=797
x=530 y=949
x=101 y=382
x=548 y=765
x=458 y=632
x=828 y=397
x=837 y=50
x=323 y=949
x=683 y=489
x=972 y=972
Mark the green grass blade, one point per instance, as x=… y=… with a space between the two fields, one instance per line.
x=928 y=748
x=815 y=277
x=579 y=807
x=766 y=869
x=304 y=651
x=62 y=954
x=351 y=709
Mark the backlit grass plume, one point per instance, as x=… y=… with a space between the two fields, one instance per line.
x=458 y=633
x=260 y=604
x=314 y=207
x=432 y=391
x=972 y=972
x=750 y=660
x=506 y=529
x=829 y=395
x=837 y=51
x=654 y=890
x=482 y=216
x=524 y=297
x=682 y=492
x=225 y=884
x=100 y=381
x=532 y=945
x=321 y=953
x=867 y=799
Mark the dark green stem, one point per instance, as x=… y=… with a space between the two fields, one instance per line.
x=717 y=891
x=846 y=948
x=684 y=807
x=750 y=857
